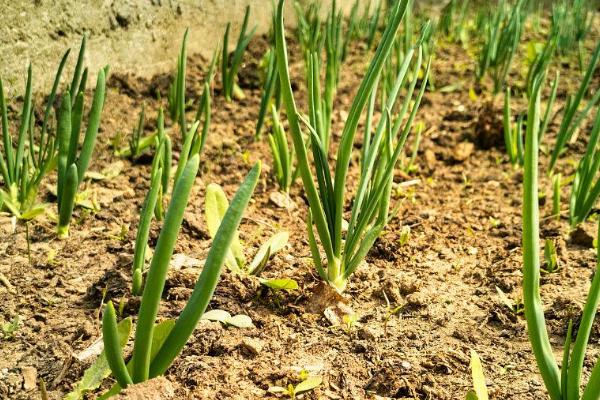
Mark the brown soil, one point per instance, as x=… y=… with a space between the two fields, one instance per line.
x=465 y=243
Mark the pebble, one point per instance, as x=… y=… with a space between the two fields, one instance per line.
x=367 y=333
x=29 y=378
x=255 y=346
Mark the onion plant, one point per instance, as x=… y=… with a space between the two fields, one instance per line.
x=283 y=154
x=216 y=205
x=153 y=203
x=352 y=29
x=138 y=143
x=231 y=65
x=381 y=150
x=372 y=23
x=157 y=345
x=320 y=100
x=195 y=138
x=176 y=95
x=564 y=383
x=503 y=33
x=23 y=167
x=586 y=185
x=572 y=118
x=163 y=160
x=513 y=133
x=556 y=185
x=549 y=105
x=409 y=166
x=71 y=166
x=572 y=20
x=452 y=22
x=270 y=90
x=308 y=31
x=541 y=62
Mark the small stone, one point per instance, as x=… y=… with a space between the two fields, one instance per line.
x=343 y=116
x=462 y=151
x=406 y=365
x=282 y=200
x=367 y=333
x=29 y=378
x=254 y=346
x=430 y=159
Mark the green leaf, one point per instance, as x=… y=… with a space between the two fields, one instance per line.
x=222 y=316
x=277 y=389
x=161 y=331
x=8 y=203
x=33 y=212
x=99 y=370
x=471 y=395
x=269 y=248
x=240 y=321
x=312 y=382
x=217 y=315
x=280 y=284
x=215 y=206
x=478 y=377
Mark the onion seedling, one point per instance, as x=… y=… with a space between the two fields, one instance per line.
x=321 y=103
x=452 y=20
x=153 y=203
x=72 y=167
x=503 y=33
x=550 y=257
x=586 y=187
x=381 y=151
x=216 y=205
x=373 y=24
x=283 y=154
x=351 y=29
x=556 y=184
x=195 y=139
x=307 y=384
x=23 y=167
x=157 y=345
x=141 y=240
x=231 y=65
x=138 y=142
x=572 y=20
x=566 y=383
x=549 y=105
x=541 y=61
x=572 y=118
x=270 y=90
x=410 y=166
x=513 y=134
x=308 y=32
x=135 y=149
x=163 y=159
x=176 y=94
